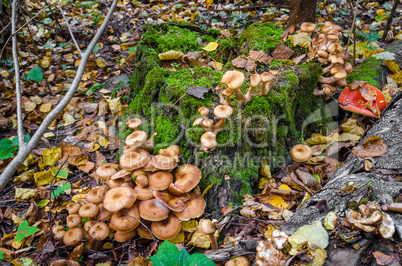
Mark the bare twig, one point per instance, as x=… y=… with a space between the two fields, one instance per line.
x=22 y=155
x=69 y=29
x=352 y=29
x=391 y=16
x=8 y=24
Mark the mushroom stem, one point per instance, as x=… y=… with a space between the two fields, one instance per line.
x=328 y=80
x=247 y=97
x=226 y=101
x=265 y=86
x=318 y=92
x=214 y=243
x=218 y=126
x=293 y=167
x=239 y=96
x=221 y=99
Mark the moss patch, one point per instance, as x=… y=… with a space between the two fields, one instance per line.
x=259 y=36
x=368 y=70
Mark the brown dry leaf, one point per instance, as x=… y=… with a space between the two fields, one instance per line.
x=239 y=62
x=102 y=108
x=282 y=52
x=88 y=133
x=287 y=32
x=100 y=158
x=86 y=167
x=337 y=146
x=76 y=253
x=298 y=59
x=63 y=262
x=197 y=92
x=383 y=259
x=259 y=56
x=77 y=156
x=373 y=146
x=140 y=261
x=7 y=253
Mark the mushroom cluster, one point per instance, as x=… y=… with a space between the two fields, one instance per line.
x=233 y=80
x=148 y=196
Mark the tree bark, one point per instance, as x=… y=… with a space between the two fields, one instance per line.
x=301 y=11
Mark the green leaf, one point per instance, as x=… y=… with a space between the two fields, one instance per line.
x=15 y=142
x=42 y=203
x=55 y=193
x=66 y=186
x=19 y=237
x=6 y=144
x=200 y=259
x=84 y=220
x=96 y=48
x=35 y=74
x=317 y=178
x=5 y=155
x=23 y=226
x=61 y=174
x=49 y=45
x=27 y=138
x=32 y=230
x=132 y=49
x=184 y=257
x=387 y=5
x=167 y=255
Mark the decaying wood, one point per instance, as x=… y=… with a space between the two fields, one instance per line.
x=244 y=247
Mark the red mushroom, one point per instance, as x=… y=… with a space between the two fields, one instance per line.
x=354 y=102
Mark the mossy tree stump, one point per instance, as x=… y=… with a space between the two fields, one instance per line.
x=265 y=128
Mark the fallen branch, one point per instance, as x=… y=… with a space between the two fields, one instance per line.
x=244 y=247
x=23 y=154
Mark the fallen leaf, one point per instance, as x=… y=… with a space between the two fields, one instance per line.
x=101 y=62
x=212 y=46
x=282 y=52
x=373 y=146
x=170 y=55
x=43 y=178
x=301 y=39
x=383 y=259
x=140 y=261
x=49 y=157
x=216 y=65
x=25 y=176
x=314 y=235
x=197 y=92
x=24 y=193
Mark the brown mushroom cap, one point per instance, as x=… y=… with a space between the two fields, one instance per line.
x=73 y=207
x=166 y=229
x=142 y=181
x=266 y=77
x=163 y=162
x=115 y=183
x=335 y=48
x=88 y=225
x=334 y=59
x=73 y=220
x=207 y=123
x=206 y=226
x=144 y=232
x=198 y=121
x=195 y=208
x=233 y=79
x=99 y=231
x=119 y=198
x=308 y=27
x=223 y=111
x=356 y=84
x=227 y=92
x=149 y=167
x=126 y=219
x=322 y=54
x=134 y=123
x=153 y=210
x=93 y=197
x=123 y=236
x=88 y=210
x=131 y=160
x=226 y=209
x=208 y=140
x=187 y=176
x=105 y=171
x=58 y=232
x=173 y=151
x=121 y=174
x=144 y=193
x=136 y=138
x=160 y=180
x=203 y=111
x=72 y=236
x=102 y=190
x=173 y=202
x=301 y=153
x=103 y=213
x=238 y=261
x=339 y=72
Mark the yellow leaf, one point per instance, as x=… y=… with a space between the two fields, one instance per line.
x=101 y=62
x=392 y=65
x=178 y=239
x=107 y=245
x=206 y=190
x=398 y=77
x=208 y=3
x=7 y=253
x=36 y=99
x=68 y=119
x=43 y=178
x=305 y=198
x=189 y=226
x=217 y=65
x=46 y=62
x=28 y=161
x=268 y=232
x=127 y=45
x=170 y=55
x=284 y=187
x=399 y=36
x=78 y=197
x=102 y=141
x=211 y=46
x=29 y=106
x=200 y=240
x=277 y=201
x=25 y=176
x=24 y=193
x=301 y=39
x=345 y=137
x=45 y=108
x=115 y=105
x=4 y=73
x=16 y=219
x=49 y=157
x=69 y=73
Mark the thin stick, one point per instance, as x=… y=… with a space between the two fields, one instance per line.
x=69 y=29
x=22 y=155
x=391 y=16
x=352 y=29
x=5 y=27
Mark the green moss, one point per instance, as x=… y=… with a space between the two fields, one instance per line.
x=368 y=70
x=259 y=36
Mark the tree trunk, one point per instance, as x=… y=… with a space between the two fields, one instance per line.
x=301 y=11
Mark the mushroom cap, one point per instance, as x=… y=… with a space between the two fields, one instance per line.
x=226 y=209
x=73 y=220
x=58 y=232
x=136 y=138
x=207 y=226
x=119 y=198
x=187 y=176
x=348 y=67
x=131 y=160
x=203 y=111
x=115 y=183
x=339 y=72
x=172 y=150
x=208 y=140
x=175 y=191
x=166 y=229
x=143 y=232
x=308 y=27
x=266 y=77
x=160 y=180
x=149 y=167
x=223 y=111
x=134 y=123
x=93 y=197
x=198 y=121
x=334 y=59
x=255 y=80
x=88 y=210
x=238 y=261
x=227 y=92
x=101 y=190
x=335 y=48
x=195 y=208
x=72 y=236
x=208 y=123
x=88 y=225
x=144 y=193
x=163 y=162
x=301 y=153
x=356 y=84
x=322 y=54
x=218 y=87
x=141 y=180
x=126 y=219
x=332 y=37
x=99 y=231
x=233 y=79
x=103 y=213
x=105 y=171
x=123 y=236
x=121 y=174
x=73 y=207
x=173 y=202
x=153 y=210
x=342 y=82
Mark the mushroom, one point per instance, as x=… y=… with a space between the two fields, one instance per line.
x=209 y=228
x=126 y=219
x=160 y=180
x=144 y=193
x=153 y=210
x=223 y=112
x=187 y=177
x=72 y=236
x=137 y=138
x=142 y=181
x=163 y=162
x=123 y=236
x=172 y=151
x=327 y=90
x=227 y=93
x=299 y=153
x=73 y=220
x=266 y=79
x=145 y=232
x=339 y=73
x=93 y=197
x=115 y=183
x=58 y=232
x=99 y=231
x=103 y=213
x=171 y=201
x=106 y=170
x=204 y=112
x=234 y=80
x=88 y=225
x=238 y=261
x=131 y=160
x=356 y=84
x=387 y=226
x=134 y=123
x=308 y=27
x=208 y=142
x=195 y=208
x=121 y=174
x=150 y=143
x=166 y=229
x=208 y=125
x=198 y=121
x=73 y=207
x=88 y=210
x=119 y=198
x=219 y=88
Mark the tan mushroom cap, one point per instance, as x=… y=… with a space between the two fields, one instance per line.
x=208 y=140
x=308 y=27
x=119 y=198
x=322 y=54
x=175 y=191
x=195 y=208
x=134 y=123
x=131 y=160
x=136 y=138
x=105 y=171
x=72 y=236
x=144 y=193
x=103 y=213
x=238 y=261
x=227 y=92
x=333 y=37
x=255 y=80
x=207 y=123
x=173 y=202
x=266 y=77
x=115 y=183
x=123 y=236
x=198 y=121
x=88 y=210
x=144 y=232
x=356 y=84
x=93 y=197
x=160 y=180
x=126 y=219
x=334 y=48
x=163 y=162
x=166 y=229
x=142 y=180
x=149 y=167
x=187 y=176
x=58 y=232
x=301 y=153
x=233 y=79
x=121 y=174
x=99 y=231
x=334 y=59
x=73 y=220
x=73 y=207
x=172 y=151
x=203 y=111
x=223 y=111
x=153 y=210
x=339 y=72
x=88 y=225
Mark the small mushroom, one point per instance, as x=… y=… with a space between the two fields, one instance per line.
x=58 y=232
x=137 y=138
x=73 y=220
x=153 y=210
x=126 y=219
x=163 y=162
x=195 y=208
x=166 y=229
x=131 y=160
x=266 y=79
x=88 y=210
x=93 y=197
x=223 y=112
x=73 y=236
x=142 y=181
x=144 y=193
x=106 y=170
x=119 y=198
x=173 y=202
x=134 y=123
x=204 y=112
x=99 y=231
x=299 y=153
x=227 y=93
x=209 y=228
x=187 y=177
x=73 y=207
x=160 y=180
x=308 y=27
x=123 y=236
x=208 y=142
x=238 y=261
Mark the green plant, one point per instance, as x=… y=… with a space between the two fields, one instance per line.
x=370 y=37
x=25 y=230
x=60 y=190
x=93 y=89
x=9 y=147
x=35 y=74
x=169 y=255
x=1 y=255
